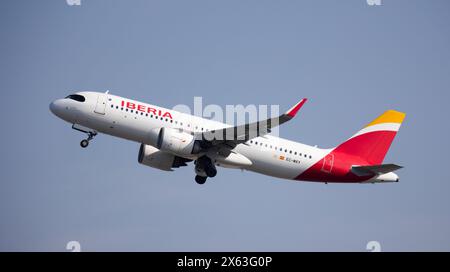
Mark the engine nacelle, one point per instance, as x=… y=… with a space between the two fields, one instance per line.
x=174 y=141
x=151 y=156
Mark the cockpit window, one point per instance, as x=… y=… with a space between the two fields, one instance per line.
x=76 y=97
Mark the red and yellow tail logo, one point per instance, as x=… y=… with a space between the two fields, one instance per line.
x=367 y=147
x=390 y=119
x=373 y=141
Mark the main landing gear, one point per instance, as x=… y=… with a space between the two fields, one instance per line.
x=90 y=133
x=204 y=168
x=200 y=179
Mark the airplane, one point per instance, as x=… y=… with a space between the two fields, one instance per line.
x=170 y=139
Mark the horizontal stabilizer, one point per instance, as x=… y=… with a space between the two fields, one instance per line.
x=375 y=169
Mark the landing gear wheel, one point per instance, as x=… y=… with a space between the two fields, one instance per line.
x=90 y=133
x=200 y=179
x=206 y=165
x=84 y=143
x=211 y=172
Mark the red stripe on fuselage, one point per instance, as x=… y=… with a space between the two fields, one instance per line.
x=366 y=149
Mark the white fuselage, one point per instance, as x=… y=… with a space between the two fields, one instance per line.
x=132 y=120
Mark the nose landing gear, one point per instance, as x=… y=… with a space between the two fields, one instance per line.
x=91 y=134
x=84 y=143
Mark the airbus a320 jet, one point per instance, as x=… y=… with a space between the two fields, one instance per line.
x=170 y=139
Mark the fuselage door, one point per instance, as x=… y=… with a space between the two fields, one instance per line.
x=328 y=162
x=101 y=104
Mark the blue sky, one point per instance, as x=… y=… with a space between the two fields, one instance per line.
x=352 y=61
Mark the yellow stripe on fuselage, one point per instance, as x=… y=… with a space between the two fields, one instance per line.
x=390 y=116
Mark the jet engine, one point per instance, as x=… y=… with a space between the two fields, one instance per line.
x=153 y=157
x=175 y=141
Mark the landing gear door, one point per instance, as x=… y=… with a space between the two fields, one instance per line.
x=101 y=104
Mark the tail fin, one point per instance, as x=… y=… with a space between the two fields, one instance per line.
x=373 y=142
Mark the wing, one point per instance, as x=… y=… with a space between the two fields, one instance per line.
x=232 y=136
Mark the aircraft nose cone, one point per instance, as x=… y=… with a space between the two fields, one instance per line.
x=56 y=107
x=52 y=107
